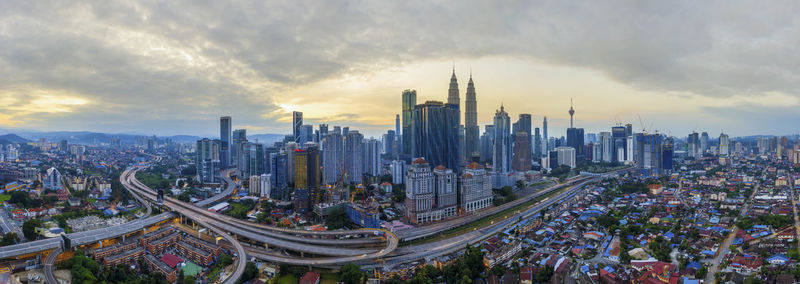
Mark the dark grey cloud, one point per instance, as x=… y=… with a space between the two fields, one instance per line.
x=132 y=55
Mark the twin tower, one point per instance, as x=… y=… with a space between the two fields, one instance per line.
x=471 y=131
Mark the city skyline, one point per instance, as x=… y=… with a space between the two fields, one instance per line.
x=141 y=73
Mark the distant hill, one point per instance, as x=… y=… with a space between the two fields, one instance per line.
x=12 y=138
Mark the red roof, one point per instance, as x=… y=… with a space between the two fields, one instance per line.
x=474 y=166
x=310 y=277
x=419 y=161
x=171 y=260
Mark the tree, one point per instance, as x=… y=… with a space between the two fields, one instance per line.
x=189 y=280
x=181 y=276
x=701 y=273
x=29 y=228
x=350 y=274
x=250 y=272
x=9 y=239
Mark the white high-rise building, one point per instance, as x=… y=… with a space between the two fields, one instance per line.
x=52 y=180
x=255 y=185
x=398 y=171
x=724 y=145
x=501 y=160
x=446 y=192
x=372 y=157
x=266 y=185
x=419 y=192
x=566 y=156
x=475 y=188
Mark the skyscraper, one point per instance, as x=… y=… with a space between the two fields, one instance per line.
x=354 y=156
x=397 y=133
x=333 y=157
x=409 y=101
x=703 y=143
x=436 y=133
x=419 y=192
x=537 y=144
x=501 y=159
x=207 y=160
x=648 y=157
x=545 y=138
x=471 y=143
x=523 y=124
x=619 y=144
x=487 y=143
x=452 y=92
x=290 y=152
x=297 y=125
x=225 y=141
x=372 y=159
x=724 y=144
x=693 y=142
x=575 y=140
x=522 y=152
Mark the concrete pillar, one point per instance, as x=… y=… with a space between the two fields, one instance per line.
x=100 y=243
x=123 y=238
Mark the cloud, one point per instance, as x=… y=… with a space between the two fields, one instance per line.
x=180 y=64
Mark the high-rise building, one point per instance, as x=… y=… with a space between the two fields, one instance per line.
x=523 y=124
x=297 y=127
x=333 y=157
x=419 y=192
x=606 y=147
x=452 y=92
x=522 y=152
x=487 y=143
x=703 y=143
x=397 y=127
x=724 y=144
x=323 y=131
x=398 y=171
x=537 y=144
x=566 y=156
x=694 y=148
x=501 y=159
x=619 y=144
x=354 y=156
x=545 y=139
x=409 y=102
x=475 y=188
x=257 y=164
x=300 y=168
x=225 y=128
x=446 y=192
x=207 y=160
x=313 y=174
x=471 y=131
x=390 y=144
x=575 y=140
x=52 y=180
x=649 y=150
x=436 y=133
x=290 y=153
x=372 y=157
x=667 y=154
x=279 y=165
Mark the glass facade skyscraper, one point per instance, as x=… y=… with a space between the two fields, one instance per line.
x=436 y=134
x=501 y=158
x=225 y=141
x=409 y=102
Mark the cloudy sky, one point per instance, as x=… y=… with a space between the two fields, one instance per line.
x=173 y=67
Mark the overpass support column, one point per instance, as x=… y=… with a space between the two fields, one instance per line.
x=123 y=238
x=100 y=243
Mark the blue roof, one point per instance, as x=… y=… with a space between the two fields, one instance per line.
x=778 y=257
x=609 y=269
x=694 y=264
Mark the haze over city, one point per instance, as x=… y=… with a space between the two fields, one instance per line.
x=173 y=68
